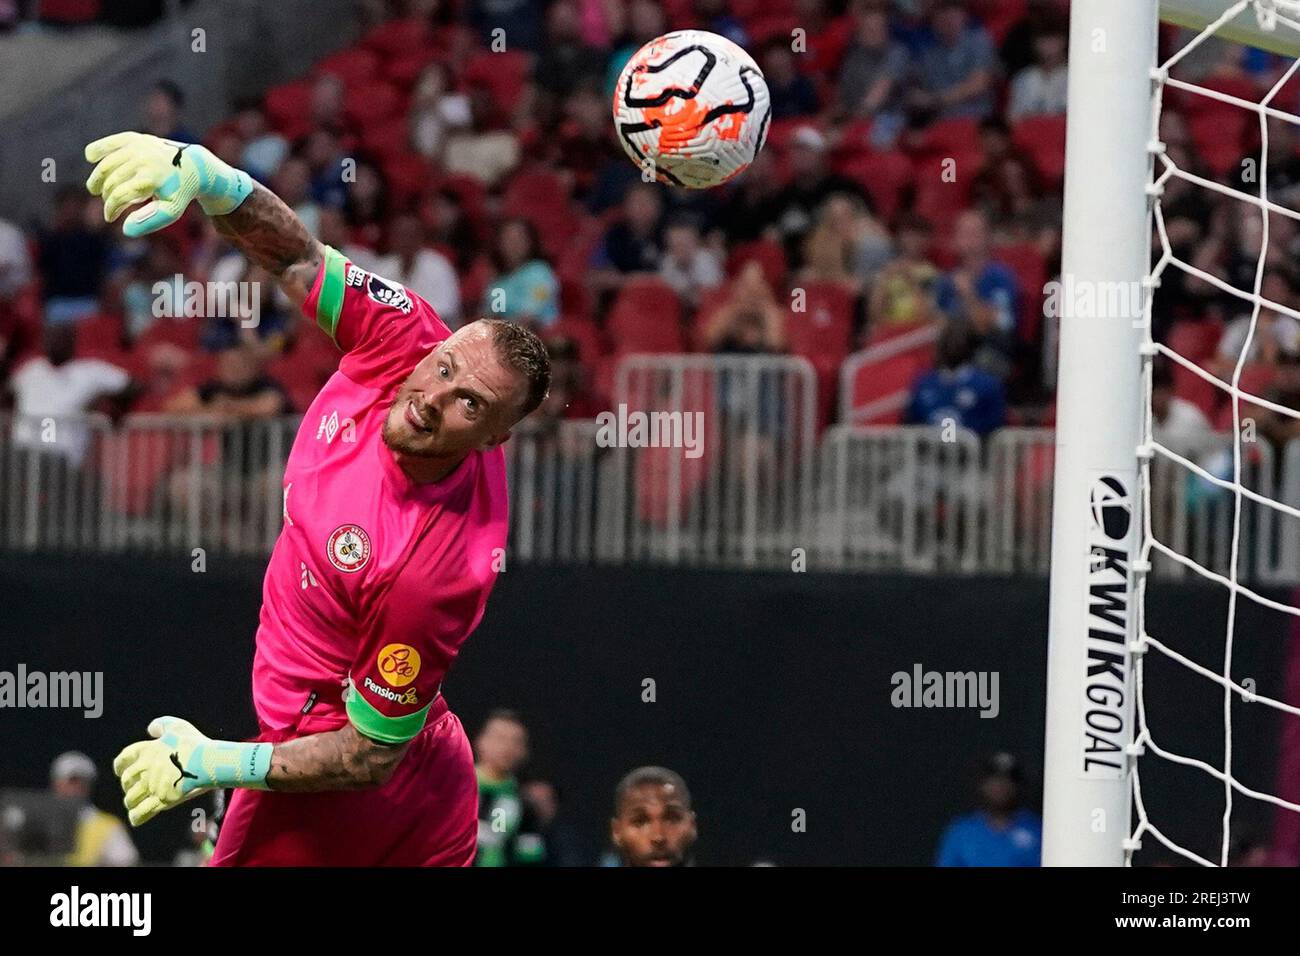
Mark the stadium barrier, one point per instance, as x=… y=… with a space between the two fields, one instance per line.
x=745 y=485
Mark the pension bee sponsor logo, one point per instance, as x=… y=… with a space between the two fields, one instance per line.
x=348 y=548
x=399 y=664
x=408 y=697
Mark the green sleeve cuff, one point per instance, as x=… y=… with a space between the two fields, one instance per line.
x=387 y=730
x=329 y=304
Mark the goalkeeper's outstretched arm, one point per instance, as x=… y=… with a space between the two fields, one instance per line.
x=268 y=232
x=161 y=177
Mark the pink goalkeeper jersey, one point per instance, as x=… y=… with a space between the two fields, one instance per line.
x=375 y=580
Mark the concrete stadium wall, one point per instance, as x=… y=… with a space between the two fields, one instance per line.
x=773 y=690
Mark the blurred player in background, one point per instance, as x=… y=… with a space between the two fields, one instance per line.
x=1002 y=831
x=102 y=839
x=508 y=828
x=653 y=822
x=394 y=527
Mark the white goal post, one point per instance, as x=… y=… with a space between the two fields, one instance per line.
x=1101 y=532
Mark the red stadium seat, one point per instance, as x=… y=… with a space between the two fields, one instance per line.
x=999 y=16
x=583 y=333
x=180 y=332
x=823 y=329
x=371 y=103
x=885 y=176
x=409 y=176
x=288 y=106
x=1196 y=342
x=68 y=11
x=398 y=37
x=768 y=254
x=880 y=380
x=646 y=317
x=771 y=24
x=943 y=188
x=99 y=333
x=387 y=139
x=950 y=137
x=1043 y=139
x=355 y=66
x=405 y=70
x=505 y=74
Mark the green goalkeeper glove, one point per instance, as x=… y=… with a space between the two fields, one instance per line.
x=182 y=763
x=163 y=174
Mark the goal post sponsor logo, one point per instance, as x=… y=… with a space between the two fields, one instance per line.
x=1105 y=709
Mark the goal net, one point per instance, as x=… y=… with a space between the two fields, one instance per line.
x=1211 y=228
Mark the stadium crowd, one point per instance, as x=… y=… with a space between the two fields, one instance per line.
x=912 y=180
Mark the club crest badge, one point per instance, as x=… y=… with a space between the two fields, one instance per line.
x=348 y=548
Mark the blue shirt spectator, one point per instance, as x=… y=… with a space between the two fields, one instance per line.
x=976 y=840
x=993 y=284
x=1001 y=832
x=957 y=71
x=525 y=289
x=971 y=397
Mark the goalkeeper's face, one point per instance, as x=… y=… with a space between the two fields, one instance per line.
x=460 y=398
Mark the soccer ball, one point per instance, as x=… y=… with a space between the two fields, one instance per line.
x=692 y=108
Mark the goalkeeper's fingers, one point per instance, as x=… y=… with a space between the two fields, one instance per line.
x=139 y=790
x=145 y=810
x=104 y=145
x=107 y=166
x=129 y=755
x=173 y=725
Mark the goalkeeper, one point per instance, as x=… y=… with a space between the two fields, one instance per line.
x=389 y=548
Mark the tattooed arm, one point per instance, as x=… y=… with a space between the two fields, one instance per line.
x=340 y=759
x=264 y=229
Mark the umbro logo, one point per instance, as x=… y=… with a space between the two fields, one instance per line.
x=305 y=578
x=331 y=425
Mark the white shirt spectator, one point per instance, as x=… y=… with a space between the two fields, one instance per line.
x=1185 y=427
x=15 y=262
x=50 y=399
x=1037 y=91
x=431 y=276
x=1282 y=329
x=688 y=279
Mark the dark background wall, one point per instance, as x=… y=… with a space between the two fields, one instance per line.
x=773 y=690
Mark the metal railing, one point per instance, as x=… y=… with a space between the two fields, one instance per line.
x=761 y=491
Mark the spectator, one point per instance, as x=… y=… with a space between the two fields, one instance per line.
x=750 y=322
x=1176 y=423
x=954 y=74
x=448 y=226
x=793 y=94
x=689 y=266
x=1001 y=832
x=583 y=142
x=424 y=271
x=566 y=62
x=810 y=183
x=162 y=113
x=53 y=391
x=956 y=393
x=981 y=292
x=325 y=159
x=437 y=111
x=716 y=17
x=484 y=149
x=645 y=21
x=847 y=247
x=334 y=233
x=366 y=206
x=264 y=149
x=903 y=292
x=326 y=107
x=1039 y=90
x=507 y=825
x=15 y=262
x=653 y=823
x=525 y=289
x=1276 y=335
x=292 y=183
x=241 y=390
x=72 y=257
x=753 y=206
x=1018 y=207
x=155 y=286
x=519 y=20
x=102 y=839
x=634 y=243
x=570 y=395
x=871 y=75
